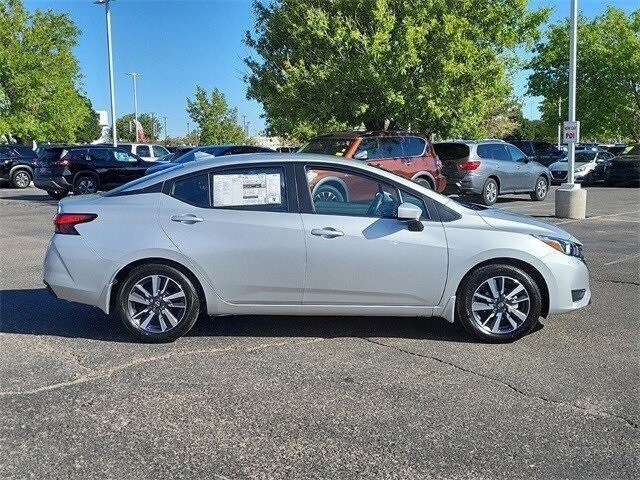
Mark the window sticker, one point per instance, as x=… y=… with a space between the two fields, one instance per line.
x=241 y=189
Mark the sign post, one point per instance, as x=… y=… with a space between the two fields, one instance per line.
x=571 y=200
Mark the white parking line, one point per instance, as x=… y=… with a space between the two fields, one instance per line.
x=596 y=217
x=624 y=259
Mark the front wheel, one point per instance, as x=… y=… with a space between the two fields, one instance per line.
x=328 y=193
x=158 y=303
x=498 y=303
x=85 y=184
x=21 y=179
x=542 y=188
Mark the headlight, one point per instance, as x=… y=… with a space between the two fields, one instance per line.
x=565 y=246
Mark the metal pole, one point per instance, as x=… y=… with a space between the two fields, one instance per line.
x=134 y=76
x=165 y=130
x=572 y=84
x=153 y=126
x=559 y=123
x=114 y=132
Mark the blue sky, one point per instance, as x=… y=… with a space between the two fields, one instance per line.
x=178 y=44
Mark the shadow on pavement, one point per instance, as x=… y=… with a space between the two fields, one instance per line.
x=36 y=312
x=37 y=198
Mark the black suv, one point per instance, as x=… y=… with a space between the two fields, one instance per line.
x=542 y=152
x=16 y=165
x=86 y=169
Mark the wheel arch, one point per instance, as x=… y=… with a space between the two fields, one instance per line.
x=15 y=168
x=495 y=177
x=86 y=172
x=424 y=175
x=522 y=265
x=124 y=271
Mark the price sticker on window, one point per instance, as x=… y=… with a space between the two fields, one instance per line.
x=236 y=190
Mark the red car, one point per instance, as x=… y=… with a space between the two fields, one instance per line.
x=407 y=154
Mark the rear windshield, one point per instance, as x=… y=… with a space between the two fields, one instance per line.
x=451 y=151
x=327 y=146
x=51 y=153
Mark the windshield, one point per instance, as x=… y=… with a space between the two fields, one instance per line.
x=632 y=150
x=134 y=183
x=199 y=154
x=327 y=146
x=582 y=157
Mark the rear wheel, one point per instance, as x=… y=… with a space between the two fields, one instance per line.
x=542 y=188
x=424 y=183
x=21 y=179
x=490 y=192
x=328 y=193
x=588 y=180
x=85 y=184
x=498 y=303
x=57 y=194
x=158 y=303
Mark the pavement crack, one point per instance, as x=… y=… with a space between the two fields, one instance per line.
x=96 y=375
x=593 y=412
x=623 y=282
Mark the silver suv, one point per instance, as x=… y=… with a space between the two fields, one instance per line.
x=490 y=168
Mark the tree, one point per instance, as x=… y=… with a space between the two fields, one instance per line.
x=432 y=65
x=218 y=124
x=39 y=75
x=608 y=75
x=126 y=129
x=89 y=130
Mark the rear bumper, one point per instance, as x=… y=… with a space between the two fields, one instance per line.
x=52 y=183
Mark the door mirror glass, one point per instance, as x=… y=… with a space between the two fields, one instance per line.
x=361 y=155
x=408 y=212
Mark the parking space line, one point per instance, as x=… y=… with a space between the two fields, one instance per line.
x=624 y=259
x=596 y=217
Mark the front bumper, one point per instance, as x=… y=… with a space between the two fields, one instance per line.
x=569 y=277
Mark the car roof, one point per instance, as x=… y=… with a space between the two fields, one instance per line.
x=352 y=134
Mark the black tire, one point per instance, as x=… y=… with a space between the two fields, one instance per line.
x=540 y=192
x=589 y=180
x=476 y=288
x=608 y=182
x=57 y=194
x=328 y=193
x=424 y=183
x=490 y=192
x=85 y=184
x=21 y=179
x=134 y=314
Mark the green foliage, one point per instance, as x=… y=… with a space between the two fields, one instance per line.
x=434 y=65
x=218 y=124
x=531 y=130
x=608 y=75
x=89 y=130
x=126 y=127
x=39 y=98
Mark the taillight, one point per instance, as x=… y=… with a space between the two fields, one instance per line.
x=469 y=165
x=65 y=223
x=60 y=163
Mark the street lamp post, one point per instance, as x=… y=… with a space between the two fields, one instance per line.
x=134 y=76
x=571 y=200
x=165 y=130
x=114 y=133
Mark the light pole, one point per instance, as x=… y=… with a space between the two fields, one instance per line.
x=165 y=130
x=134 y=76
x=571 y=200
x=153 y=125
x=114 y=134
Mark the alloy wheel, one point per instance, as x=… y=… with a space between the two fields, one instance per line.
x=21 y=180
x=157 y=304
x=325 y=196
x=500 y=305
x=86 y=185
x=491 y=192
x=541 y=188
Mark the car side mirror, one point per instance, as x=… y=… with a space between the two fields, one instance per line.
x=361 y=155
x=410 y=213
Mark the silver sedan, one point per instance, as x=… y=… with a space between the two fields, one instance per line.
x=256 y=234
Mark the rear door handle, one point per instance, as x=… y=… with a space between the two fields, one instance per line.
x=186 y=218
x=327 y=232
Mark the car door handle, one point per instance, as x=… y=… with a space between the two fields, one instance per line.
x=186 y=218
x=327 y=232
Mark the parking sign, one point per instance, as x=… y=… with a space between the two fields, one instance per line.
x=570 y=132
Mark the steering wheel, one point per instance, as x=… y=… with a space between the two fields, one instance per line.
x=379 y=200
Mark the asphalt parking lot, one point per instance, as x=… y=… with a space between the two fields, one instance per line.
x=285 y=397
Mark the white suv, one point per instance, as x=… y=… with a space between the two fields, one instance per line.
x=146 y=151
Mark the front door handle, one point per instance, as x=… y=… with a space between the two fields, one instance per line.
x=327 y=232
x=186 y=218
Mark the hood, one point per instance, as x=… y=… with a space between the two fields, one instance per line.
x=515 y=222
x=562 y=166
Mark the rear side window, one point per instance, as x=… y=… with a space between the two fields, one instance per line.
x=24 y=151
x=193 y=190
x=451 y=151
x=159 y=151
x=125 y=147
x=143 y=151
x=484 y=151
x=102 y=155
x=414 y=146
x=495 y=151
x=260 y=188
x=7 y=152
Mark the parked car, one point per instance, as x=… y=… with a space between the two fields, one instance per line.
x=16 y=165
x=617 y=149
x=409 y=155
x=208 y=150
x=146 y=151
x=624 y=168
x=491 y=168
x=588 y=167
x=177 y=152
x=86 y=169
x=287 y=149
x=544 y=153
x=245 y=234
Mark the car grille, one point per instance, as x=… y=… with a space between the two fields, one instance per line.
x=559 y=175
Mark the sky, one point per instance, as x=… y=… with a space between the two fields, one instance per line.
x=178 y=44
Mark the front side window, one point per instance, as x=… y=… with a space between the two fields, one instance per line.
x=192 y=190
x=516 y=153
x=368 y=149
x=143 y=151
x=102 y=155
x=391 y=147
x=121 y=156
x=158 y=151
x=259 y=188
x=337 y=192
